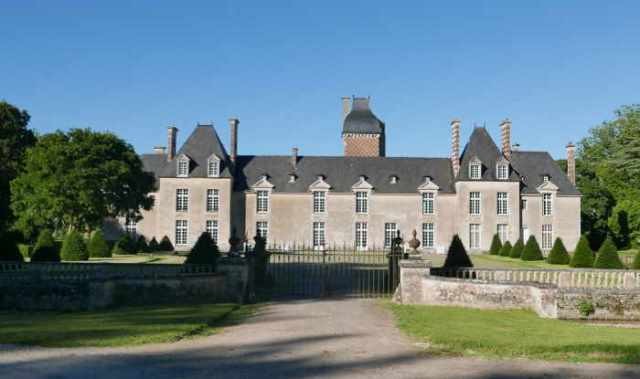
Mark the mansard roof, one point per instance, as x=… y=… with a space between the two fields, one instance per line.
x=482 y=148
x=343 y=172
x=361 y=119
x=534 y=165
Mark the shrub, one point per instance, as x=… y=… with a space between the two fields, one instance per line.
x=46 y=249
x=636 y=262
x=558 y=254
x=607 y=256
x=516 y=250
x=125 y=245
x=153 y=245
x=9 y=251
x=532 y=250
x=582 y=256
x=141 y=245
x=165 y=244
x=204 y=252
x=496 y=245
x=98 y=246
x=506 y=249
x=586 y=308
x=74 y=248
x=457 y=254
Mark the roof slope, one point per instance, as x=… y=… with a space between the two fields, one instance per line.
x=533 y=165
x=361 y=119
x=343 y=172
x=482 y=147
x=153 y=163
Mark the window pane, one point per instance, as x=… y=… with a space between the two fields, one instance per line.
x=182 y=199
x=262 y=200
x=427 y=235
x=212 y=229
x=474 y=203
x=361 y=235
x=427 y=202
x=390 y=232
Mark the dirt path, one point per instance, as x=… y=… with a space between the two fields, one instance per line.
x=311 y=339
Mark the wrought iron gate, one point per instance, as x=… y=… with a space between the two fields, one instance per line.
x=307 y=274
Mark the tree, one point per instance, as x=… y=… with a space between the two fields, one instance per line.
x=496 y=245
x=15 y=139
x=516 y=251
x=165 y=244
x=72 y=181
x=532 y=250
x=558 y=254
x=204 y=252
x=582 y=256
x=9 y=251
x=46 y=249
x=457 y=255
x=153 y=245
x=74 y=247
x=505 y=251
x=607 y=256
x=98 y=246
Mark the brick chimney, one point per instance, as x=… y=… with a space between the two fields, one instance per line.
x=346 y=106
x=571 y=163
x=505 y=134
x=172 y=136
x=233 y=128
x=294 y=158
x=455 y=146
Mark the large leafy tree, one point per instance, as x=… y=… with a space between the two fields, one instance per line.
x=72 y=181
x=15 y=138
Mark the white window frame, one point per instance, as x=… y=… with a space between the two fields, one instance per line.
x=318 y=235
x=502 y=171
x=428 y=235
x=262 y=201
x=475 y=203
x=502 y=203
x=428 y=202
x=547 y=236
x=213 y=167
x=262 y=229
x=319 y=201
x=213 y=229
x=213 y=200
x=182 y=167
x=362 y=235
x=362 y=202
x=390 y=232
x=472 y=170
x=503 y=232
x=181 y=232
x=475 y=236
x=547 y=204
x=182 y=199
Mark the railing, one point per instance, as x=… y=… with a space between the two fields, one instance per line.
x=575 y=278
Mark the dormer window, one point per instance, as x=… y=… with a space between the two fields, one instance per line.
x=213 y=167
x=475 y=169
x=502 y=171
x=183 y=167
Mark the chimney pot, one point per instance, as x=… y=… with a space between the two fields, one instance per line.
x=171 y=139
x=455 y=146
x=233 y=128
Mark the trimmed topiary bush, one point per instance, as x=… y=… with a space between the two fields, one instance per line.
x=98 y=246
x=9 y=251
x=141 y=245
x=46 y=249
x=506 y=249
x=582 y=256
x=125 y=245
x=204 y=252
x=558 y=254
x=607 y=256
x=496 y=245
x=457 y=255
x=153 y=245
x=636 y=262
x=516 y=250
x=531 y=251
x=74 y=248
x=165 y=244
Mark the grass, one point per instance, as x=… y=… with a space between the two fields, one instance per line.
x=119 y=327
x=515 y=334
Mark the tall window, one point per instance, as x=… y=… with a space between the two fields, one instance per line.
x=212 y=229
x=475 y=170
x=362 y=202
x=502 y=232
x=547 y=236
x=183 y=167
x=390 y=232
x=182 y=232
x=318 y=235
x=427 y=235
x=502 y=205
x=131 y=226
x=319 y=201
x=262 y=201
x=474 y=236
x=182 y=199
x=213 y=200
x=213 y=168
x=502 y=171
x=546 y=204
x=474 y=203
x=361 y=235
x=262 y=229
x=427 y=203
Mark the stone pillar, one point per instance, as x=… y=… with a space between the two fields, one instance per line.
x=455 y=146
x=233 y=128
x=571 y=163
x=411 y=273
x=172 y=135
x=505 y=138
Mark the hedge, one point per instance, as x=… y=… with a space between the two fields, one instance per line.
x=582 y=256
x=46 y=249
x=516 y=250
x=98 y=246
x=558 y=254
x=496 y=245
x=607 y=256
x=204 y=251
x=457 y=255
x=506 y=249
x=532 y=250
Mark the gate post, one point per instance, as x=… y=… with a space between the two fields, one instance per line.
x=394 y=262
x=250 y=296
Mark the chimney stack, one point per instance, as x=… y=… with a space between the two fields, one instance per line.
x=571 y=163
x=294 y=157
x=455 y=146
x=233 y=127
x=160 y=150
x=172 y=137
x=505 y=134
x=346 y=106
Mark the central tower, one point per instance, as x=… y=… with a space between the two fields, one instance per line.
x=362 y=132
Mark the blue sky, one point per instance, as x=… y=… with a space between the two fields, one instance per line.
x=555 y=68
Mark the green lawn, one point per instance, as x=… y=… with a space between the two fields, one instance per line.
x=515 y=334
x=118 y=327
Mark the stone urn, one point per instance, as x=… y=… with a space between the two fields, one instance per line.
x=414 y=243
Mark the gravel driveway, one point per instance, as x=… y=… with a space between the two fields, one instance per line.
x=311 y=339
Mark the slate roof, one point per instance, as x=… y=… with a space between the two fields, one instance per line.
x=361 y=119
x=153 y=163
x=482 y=147
x=533 y=165
x=343 y=172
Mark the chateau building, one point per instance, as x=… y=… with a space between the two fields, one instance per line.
x=362 y=198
